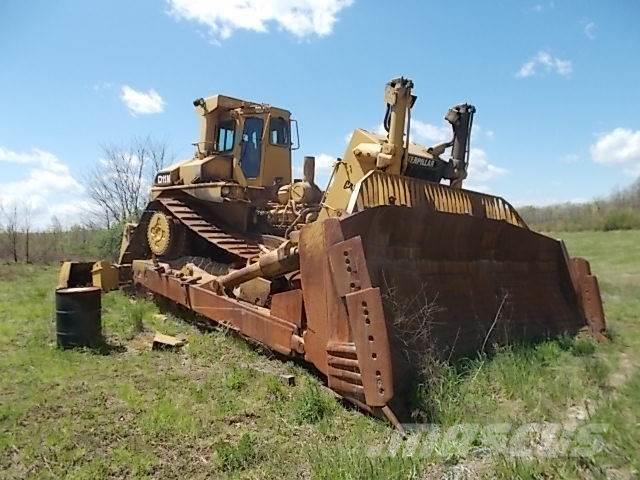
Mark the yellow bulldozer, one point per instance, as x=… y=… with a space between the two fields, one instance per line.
x=392 y=261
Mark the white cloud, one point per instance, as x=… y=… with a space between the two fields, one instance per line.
x=478 y=187
x=324 y=161
x=619 y=147
x=479 y=132
x=432 y=134
x=545 y=61
x=379 y=130
x=480 y=170
x=324 y=165
x=41 y=158
x=142 y=103
x=590 y=30
x=302 y=18
x=45 y=183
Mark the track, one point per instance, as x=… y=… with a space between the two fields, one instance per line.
x=205 y=228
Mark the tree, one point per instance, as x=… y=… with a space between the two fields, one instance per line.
x=10 y=219
x=118 y=184
x=26 y=221
x=55 y=230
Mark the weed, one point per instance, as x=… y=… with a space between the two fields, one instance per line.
x=275 y=390
x=355 y=464
x=583 y=347
x=312 y=405
x=232 y=457
x=137 y=312
x=165 y=419
x=597 y=371
x=237 y=378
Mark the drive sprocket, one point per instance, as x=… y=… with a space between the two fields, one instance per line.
x=163 y=234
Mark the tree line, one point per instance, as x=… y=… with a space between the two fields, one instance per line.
x=618 y=211
x=118 y=189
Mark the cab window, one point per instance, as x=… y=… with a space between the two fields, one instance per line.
x=250 y=156
x=225 y=136
x=279 y=131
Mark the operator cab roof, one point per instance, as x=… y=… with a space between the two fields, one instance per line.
x=208 y=105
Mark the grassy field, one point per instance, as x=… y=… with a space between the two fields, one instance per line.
x=217 y=409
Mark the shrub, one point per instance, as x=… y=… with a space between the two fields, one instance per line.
x=621 y=220
x=108 y=242
x=619 y=211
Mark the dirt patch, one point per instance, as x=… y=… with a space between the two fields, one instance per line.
x=140 y=343
x=623 y=373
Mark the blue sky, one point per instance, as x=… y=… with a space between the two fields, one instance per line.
x=556 y=84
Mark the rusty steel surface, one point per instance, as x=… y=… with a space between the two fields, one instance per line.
x=349 y=266
x=588 y=292
x=205 y=227
x=343 y=371
x=472 y=272
x=244 y=318
x=592 y=304
x=366 y=320
x=455 y=285
x=289 y=306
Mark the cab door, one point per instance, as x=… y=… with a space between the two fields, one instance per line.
x=264 y=150
x=251 y=147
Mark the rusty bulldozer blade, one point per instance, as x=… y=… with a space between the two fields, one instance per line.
x=380 y=289
x=402 y=283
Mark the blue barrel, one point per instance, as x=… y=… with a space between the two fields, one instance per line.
x=78 y=317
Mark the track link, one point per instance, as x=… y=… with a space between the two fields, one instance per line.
x=205 y=228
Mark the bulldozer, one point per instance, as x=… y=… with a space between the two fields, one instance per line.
x=393 y=261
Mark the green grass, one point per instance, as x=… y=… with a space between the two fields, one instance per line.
x=211 y=410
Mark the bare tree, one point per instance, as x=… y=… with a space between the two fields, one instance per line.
x=55 y=231
x=10 y=217
x=119 y=183
x=26 y=213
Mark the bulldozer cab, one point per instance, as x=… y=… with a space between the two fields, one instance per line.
x=250 y=142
